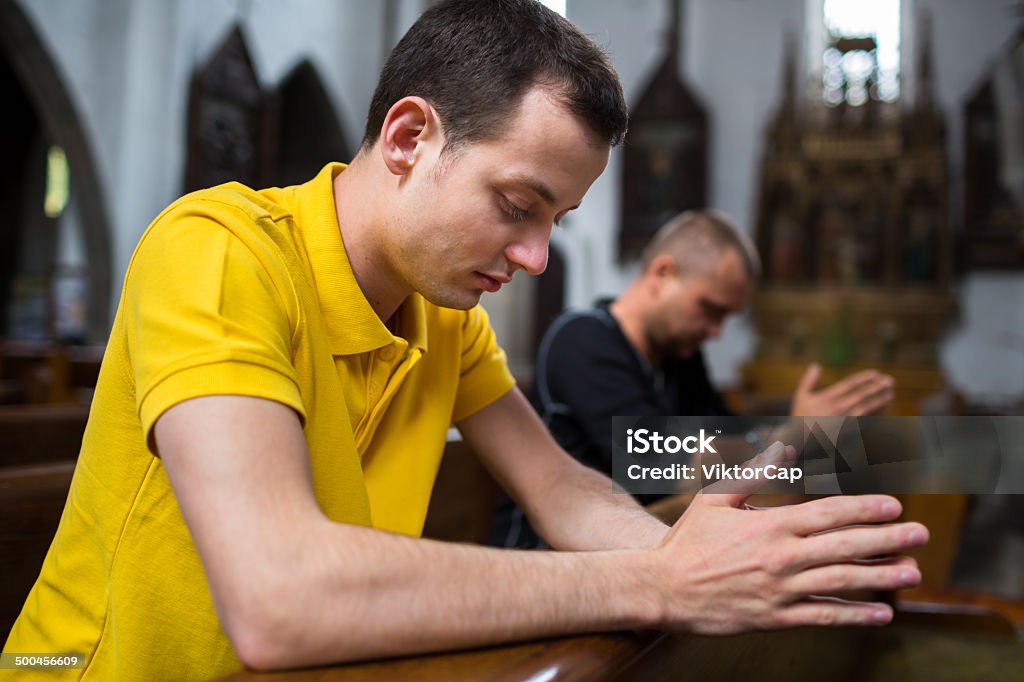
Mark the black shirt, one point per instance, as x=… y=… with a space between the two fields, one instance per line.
x=587 y=372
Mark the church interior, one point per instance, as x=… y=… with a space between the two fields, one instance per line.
x=872 y=150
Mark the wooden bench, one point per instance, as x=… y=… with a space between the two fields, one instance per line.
x=37 y=434
x=31 y=501
x=38 y=448
x=464 y=498
x=37 y=372
x=37 y=369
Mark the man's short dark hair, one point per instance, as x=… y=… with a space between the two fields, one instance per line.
x=698 y=239
x=474 y=60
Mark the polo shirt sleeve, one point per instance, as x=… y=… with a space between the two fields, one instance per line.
x=206 y=312
x=484 y=375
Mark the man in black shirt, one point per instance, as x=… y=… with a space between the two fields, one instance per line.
x=641 y=354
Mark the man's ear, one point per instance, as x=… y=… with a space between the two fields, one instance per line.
x=659 y=271
x=411 y=123
x=662 y=266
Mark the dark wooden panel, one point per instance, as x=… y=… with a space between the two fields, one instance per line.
x=665 y=157
x=899 y=651
x=38 y=368
x=84 y=365
x=464 y=497
x=31 y=501
x=38 y=434
x=231 y=128
x=804 y=654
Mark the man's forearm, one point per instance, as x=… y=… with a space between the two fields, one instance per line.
x=292 y=587
x=581 y=512
x=373 y=594
x=570 y=505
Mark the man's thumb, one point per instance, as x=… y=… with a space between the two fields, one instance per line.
x=809 y=381
x=749 y=477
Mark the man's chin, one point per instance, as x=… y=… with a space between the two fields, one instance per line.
x=456 y=300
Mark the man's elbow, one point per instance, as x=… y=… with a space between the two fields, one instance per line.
x=261 y=637
x=265 y=621
x=256 y=652
x=277 y=629
x=272 y=644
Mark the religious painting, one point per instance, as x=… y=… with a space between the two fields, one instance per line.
x=230 y=121
x=664 y=167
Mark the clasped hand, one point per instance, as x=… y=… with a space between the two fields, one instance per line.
x=727 y=568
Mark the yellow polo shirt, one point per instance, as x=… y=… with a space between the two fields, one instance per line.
x=234 y=291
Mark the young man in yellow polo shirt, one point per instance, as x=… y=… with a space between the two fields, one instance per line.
x=284 y=365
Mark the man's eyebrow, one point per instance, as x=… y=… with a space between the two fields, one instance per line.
x=541 y=189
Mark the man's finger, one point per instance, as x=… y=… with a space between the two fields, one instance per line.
x=865 y=382
x=860 y=542
x=873 y=402
x=834 y=512
x=848 y=577
x=732 y=492
x=809 y=381
x=902 y=560
x=834 y=612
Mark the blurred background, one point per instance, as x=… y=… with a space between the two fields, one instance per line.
x=874 y=149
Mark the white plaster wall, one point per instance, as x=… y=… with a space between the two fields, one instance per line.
x=984 y=353
x=127 y=64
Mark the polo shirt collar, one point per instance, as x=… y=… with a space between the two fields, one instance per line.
x=351 y=324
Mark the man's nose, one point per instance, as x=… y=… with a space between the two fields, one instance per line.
x=531 y=252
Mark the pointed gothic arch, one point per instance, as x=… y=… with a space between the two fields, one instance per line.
x=309 y=130
x=38 y=76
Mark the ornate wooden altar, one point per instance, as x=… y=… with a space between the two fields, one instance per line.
x=853 y=225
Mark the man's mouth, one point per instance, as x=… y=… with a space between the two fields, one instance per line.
x=489 y=283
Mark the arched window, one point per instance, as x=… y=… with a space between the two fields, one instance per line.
x=856 y=47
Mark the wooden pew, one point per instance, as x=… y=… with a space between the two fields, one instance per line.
x=37 y=372
x=38 y=448
x=31 y=501
x=36 y=434
x=795 y=655
x=922 y=639
x=84 y=365
x=464 y=498
x=39 y=369
x=899 y=651
x=936 y=598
